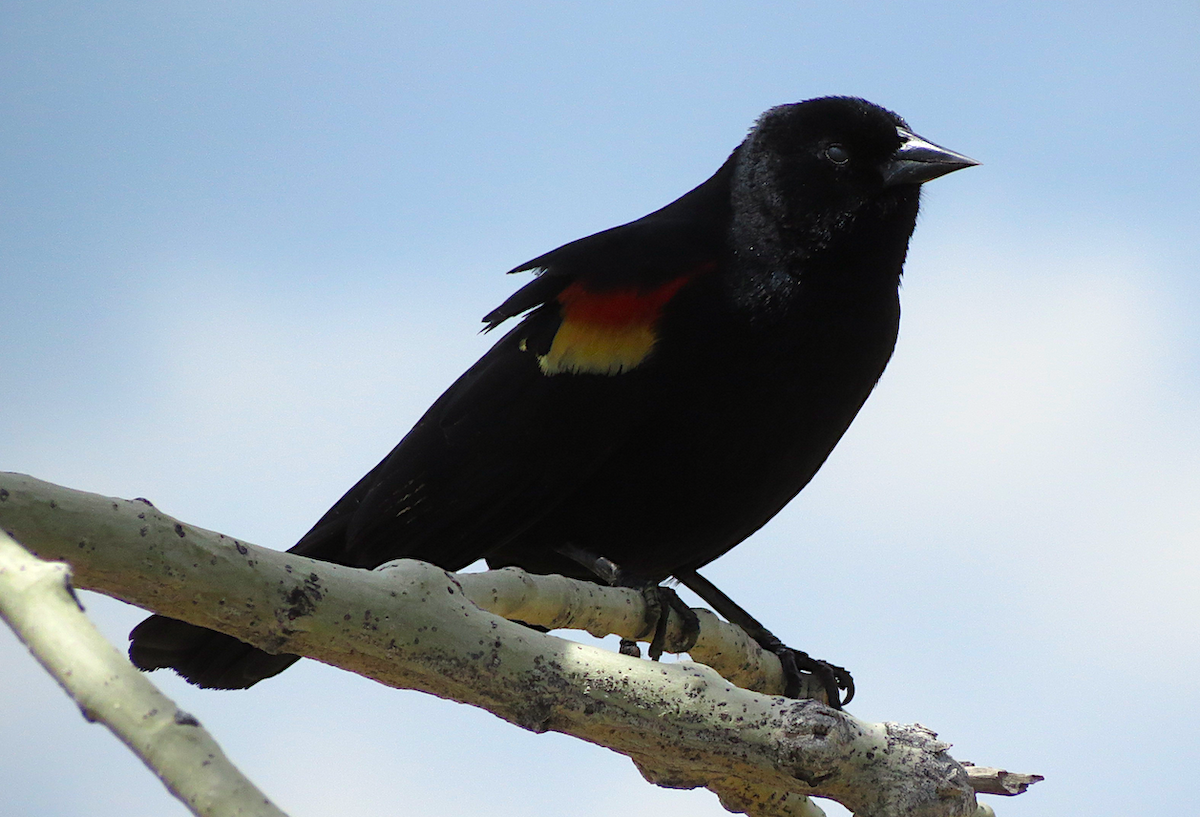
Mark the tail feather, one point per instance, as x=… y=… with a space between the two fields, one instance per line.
x=204 y=657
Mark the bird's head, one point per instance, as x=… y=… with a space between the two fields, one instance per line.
x=814 y=169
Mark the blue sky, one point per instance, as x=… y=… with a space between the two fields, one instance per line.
x=243 y=246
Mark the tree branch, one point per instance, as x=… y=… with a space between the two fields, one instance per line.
x=415 y=626
x=37 y=601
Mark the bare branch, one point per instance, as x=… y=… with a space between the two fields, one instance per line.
x=415 y=626
x=559 y=603
x=37 y=601
x=990 y=780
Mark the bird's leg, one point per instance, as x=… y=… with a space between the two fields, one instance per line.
x=659 y=601
x=795 y=662
x=603 y=568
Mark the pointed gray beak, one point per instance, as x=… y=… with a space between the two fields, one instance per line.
x=918 y=161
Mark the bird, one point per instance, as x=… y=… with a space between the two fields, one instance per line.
x=669 y=385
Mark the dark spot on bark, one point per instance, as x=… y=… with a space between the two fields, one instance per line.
x=143 y=499
x=179 y=530
x=3 y=494
x=242 y=549
x=299 y=604
x=185 y=719
x=313 y=586
x=53 y=503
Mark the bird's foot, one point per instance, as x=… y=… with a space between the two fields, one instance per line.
x=660 y=601
x=799 y=667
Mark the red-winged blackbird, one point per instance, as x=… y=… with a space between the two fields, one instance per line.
x=673 y=383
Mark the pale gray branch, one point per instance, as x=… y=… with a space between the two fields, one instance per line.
x=990 y=780
x=560 y=603
x=37 y=601
x=415 y=626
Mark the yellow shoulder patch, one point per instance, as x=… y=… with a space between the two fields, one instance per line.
x=588 y=348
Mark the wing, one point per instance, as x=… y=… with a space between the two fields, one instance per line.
x=537 y=415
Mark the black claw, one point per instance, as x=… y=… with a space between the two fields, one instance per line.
x=791 y=673
x=796 y=664
x=630 y=647
x=655 y=651
x=845 y=681
x=658 y=607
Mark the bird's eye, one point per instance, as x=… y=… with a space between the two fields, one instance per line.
x=837 y=154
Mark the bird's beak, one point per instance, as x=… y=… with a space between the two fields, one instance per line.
x=917 y=161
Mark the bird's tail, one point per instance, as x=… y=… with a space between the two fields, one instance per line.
x=204 y=657
x=216 y=661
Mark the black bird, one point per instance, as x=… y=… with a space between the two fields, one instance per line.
x=672 y=384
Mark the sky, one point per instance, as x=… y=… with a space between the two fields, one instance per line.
x=243 y=246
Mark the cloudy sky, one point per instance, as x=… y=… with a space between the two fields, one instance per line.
x=244 y=245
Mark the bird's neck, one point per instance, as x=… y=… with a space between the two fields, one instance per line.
x=774 y=278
